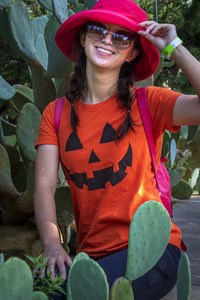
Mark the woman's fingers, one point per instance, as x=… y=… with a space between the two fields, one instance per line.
x=68 y=260
x=61 y=268
x=51 y=265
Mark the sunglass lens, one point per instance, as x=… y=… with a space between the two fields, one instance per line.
x=95 y=32
x=122 y=39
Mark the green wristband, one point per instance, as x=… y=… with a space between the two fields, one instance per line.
x=167 y=52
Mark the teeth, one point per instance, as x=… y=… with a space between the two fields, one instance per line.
x=104 y=51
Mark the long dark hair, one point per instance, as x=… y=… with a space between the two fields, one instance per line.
x=78 y=84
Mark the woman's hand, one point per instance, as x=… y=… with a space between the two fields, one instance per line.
x=57 y=256
x=160 y=35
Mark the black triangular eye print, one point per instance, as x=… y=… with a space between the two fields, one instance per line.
x=109 y=134
x=73 y=142
x=93 y=158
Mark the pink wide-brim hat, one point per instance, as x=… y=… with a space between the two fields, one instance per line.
x=125 y=13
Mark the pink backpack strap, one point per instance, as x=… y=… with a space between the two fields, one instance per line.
x=58 y=112
x=147 y=123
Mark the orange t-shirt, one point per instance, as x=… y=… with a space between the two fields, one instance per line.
x=109 y=180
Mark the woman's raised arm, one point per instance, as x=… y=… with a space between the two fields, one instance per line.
x=187 y=107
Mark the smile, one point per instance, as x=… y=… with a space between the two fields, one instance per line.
x=101 y=177
x=104 y=50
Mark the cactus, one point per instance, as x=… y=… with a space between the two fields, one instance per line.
x=39 y=296
x=23 y=38
x=60 y=10
x=5 y=3
x=121 y=289
x=15 y=280
x=27 y=130
x=10 y=208
x=47 y=4
x=64 y=206
x=176 y=176
x=198 y=185
x=78 y=257
x=183 y=278
x=6 y=90
x=90 y=3
x=182 y=190
x=145 y=244
x=87 y=272
x=23 y=94
x=1 y=259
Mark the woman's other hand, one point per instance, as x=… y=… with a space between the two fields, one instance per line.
x=56 y=256
x=160 y=35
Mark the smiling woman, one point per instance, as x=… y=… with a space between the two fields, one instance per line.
x=101 y=141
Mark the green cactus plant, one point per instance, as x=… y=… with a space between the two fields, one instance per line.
x=86 y=272
x=38 y=296
x=149 y=220
x=1 y=259
x=5 y=3
x=15 y=280
x=6 y=90
x=78 y=257
x=121 y=289
x=18 y=11
x=27 y=130
x=183 y=278
x=182 y=190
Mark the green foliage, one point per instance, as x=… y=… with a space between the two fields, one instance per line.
x=47 y=285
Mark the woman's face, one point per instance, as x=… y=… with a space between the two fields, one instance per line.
x=105 y=51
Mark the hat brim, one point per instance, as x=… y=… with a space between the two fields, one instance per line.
x=67 y=34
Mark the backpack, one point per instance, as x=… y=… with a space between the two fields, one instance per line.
x=162 y=179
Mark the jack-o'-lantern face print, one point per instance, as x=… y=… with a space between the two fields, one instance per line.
x=102 y=175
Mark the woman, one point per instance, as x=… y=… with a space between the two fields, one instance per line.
x=101 y=143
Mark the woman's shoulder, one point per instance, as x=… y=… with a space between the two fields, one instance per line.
x=50 y=108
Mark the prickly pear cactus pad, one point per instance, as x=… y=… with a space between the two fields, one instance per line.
x=1 y=259
x=16 y=280
x=27 y=130
x=60 y=10
x=6 y=90
x=88 y=281
x=5 y=3
x=39 y=296
x=183 y=278
x=121 y=290
x=81 y=255
x=22 y=31
x=149 y=234
x=64 y=205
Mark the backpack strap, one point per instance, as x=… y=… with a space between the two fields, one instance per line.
x=147 y=123
x=58 y=112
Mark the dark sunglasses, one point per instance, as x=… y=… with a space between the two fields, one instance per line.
x=121 y=39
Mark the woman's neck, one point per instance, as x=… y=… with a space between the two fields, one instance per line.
x=101 y=85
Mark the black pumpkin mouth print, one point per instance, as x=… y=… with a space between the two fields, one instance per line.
x=102 y=176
